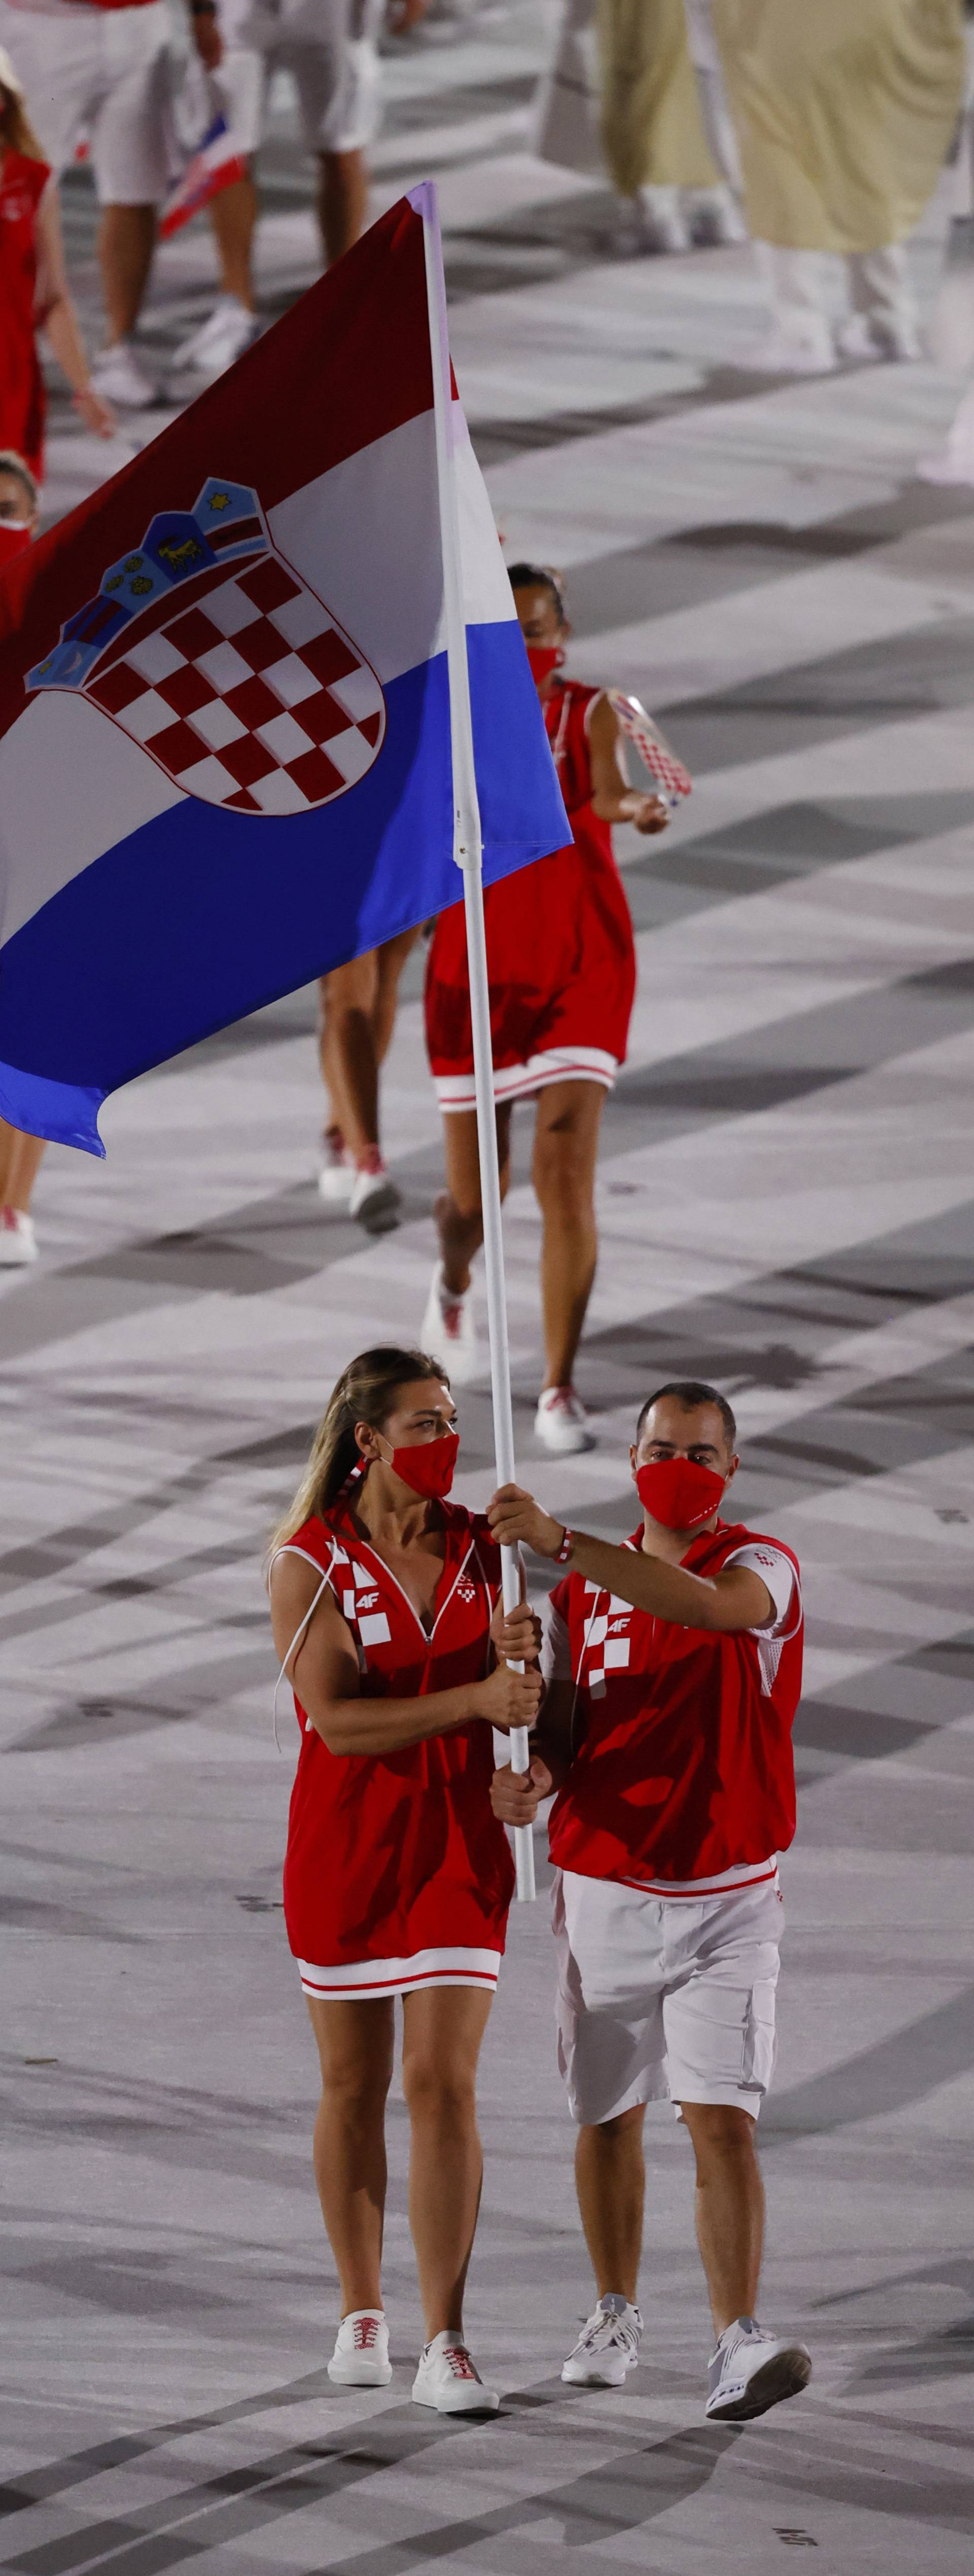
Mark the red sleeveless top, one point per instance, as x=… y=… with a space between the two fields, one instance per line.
x=22 y=398
x=683 y=1765
x=396 y=1853
x=563 y=921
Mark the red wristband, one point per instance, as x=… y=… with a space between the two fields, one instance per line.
x=567 y=1543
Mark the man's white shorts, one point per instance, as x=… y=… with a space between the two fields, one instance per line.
x=664 y=1996
x=330 y=48
x=103 y=71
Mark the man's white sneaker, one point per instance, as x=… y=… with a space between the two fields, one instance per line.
x=448 y=1331
x=214 y=345
x=374 y=1198
x=561 y=1422
x=361 y=2355
x=18 y=1241
x=751 y=2371
x=119 y=376
x=608 y=2346
x=448 y=2379
x=336 y=1179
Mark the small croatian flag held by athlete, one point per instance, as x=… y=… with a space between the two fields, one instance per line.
x=225 y=760
x=216 y=163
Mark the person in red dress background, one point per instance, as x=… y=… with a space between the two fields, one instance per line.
x=562 y=969
x=34 y=288
x=398 y=1877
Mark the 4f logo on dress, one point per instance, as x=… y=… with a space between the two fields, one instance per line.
x=366 y=1600
x=208 y=650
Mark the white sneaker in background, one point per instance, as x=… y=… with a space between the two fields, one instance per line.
x=375 y=1200
x=608 y=2346
x=561 y=1422
x=448 y=2379
x=361 y=2355
x=18 y=1241
x=751 y=2371
x=119 y=376
x=229 y=330
x=336 y=1179
x=448 y=1331
x=716 y=221
x=863 y=337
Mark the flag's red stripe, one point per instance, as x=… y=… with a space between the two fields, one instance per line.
x=348 y=363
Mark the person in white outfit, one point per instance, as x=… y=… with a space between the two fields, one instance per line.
x=93 y=66
x=330 y=48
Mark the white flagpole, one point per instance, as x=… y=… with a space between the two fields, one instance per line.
x=468 y=851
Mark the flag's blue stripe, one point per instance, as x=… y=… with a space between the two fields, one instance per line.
x=202 y=915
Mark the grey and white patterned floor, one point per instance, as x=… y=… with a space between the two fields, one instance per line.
x=786 y=1204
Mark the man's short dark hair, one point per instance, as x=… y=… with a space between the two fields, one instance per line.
x=690 y=1392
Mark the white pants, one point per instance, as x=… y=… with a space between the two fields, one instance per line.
x=330 y=48
x=664 y=1996
x=104 y=70
x=878 y=285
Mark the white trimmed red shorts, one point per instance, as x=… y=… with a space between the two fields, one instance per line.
x=665 y=1996
x=368 y=1980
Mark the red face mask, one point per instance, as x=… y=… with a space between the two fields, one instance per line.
x=678 y=1493
x=14 y=540
x=544 y=659
x=428 y=1467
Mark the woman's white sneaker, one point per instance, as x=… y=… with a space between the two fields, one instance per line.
x=361 y=2355
x=448 y=2379
x=608 y=2346
x=561 y=1422
x=18 y=1241
x=752 y=2370
x=448 y=1331
x=336 y=1179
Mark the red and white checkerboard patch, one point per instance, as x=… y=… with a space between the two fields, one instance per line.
x=651 y=744
x=245 y=691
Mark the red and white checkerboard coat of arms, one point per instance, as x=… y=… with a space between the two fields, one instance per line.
x=209 y=650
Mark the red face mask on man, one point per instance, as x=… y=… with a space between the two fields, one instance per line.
x=678 y=1493
x=427 y=1468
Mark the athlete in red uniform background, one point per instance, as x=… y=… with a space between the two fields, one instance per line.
x=674 y=1668
x=398 y=1875
x=562 y=970
x=33 y=287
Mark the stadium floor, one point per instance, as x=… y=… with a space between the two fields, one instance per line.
x=785 y=1203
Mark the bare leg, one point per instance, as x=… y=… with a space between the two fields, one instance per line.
x=729 y=2207
x=355 y=2044
x=233 y=215
x=610 y=2179
x=20 y=1159
x=443 y=2031
x=343 y=201
x=348 y=1058
x=126 y=240
x=390 y=960
x=457 y=1210
x=563 y=1171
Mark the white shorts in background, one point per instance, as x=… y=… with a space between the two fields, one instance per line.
x=664 y=1996
x=330 y=49
x=104 y=70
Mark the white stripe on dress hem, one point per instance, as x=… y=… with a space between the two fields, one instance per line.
x=367 y=1977
x=518 y=1081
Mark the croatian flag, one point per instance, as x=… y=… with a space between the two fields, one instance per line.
x=224 y=714
x=216 y=164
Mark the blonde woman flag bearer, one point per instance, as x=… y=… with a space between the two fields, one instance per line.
x=844 y=114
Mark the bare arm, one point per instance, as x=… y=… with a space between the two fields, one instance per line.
x=324 y=1671
x=612 y=797
x=726 y=1602
x=56 y=315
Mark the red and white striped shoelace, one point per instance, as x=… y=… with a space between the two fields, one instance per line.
x=460 y=2362
x=366 y=2333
